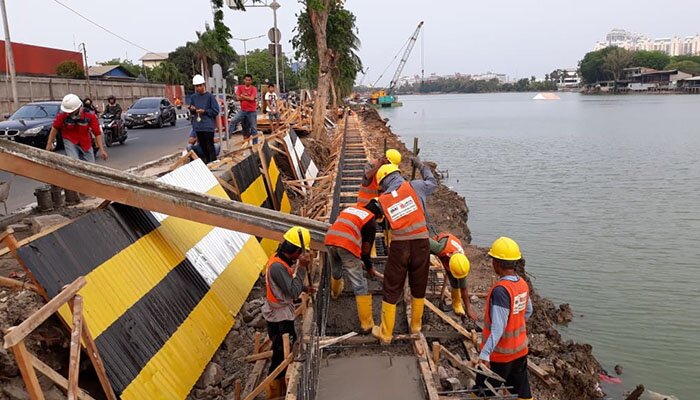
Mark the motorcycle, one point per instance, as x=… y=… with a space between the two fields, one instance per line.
x=113 y=129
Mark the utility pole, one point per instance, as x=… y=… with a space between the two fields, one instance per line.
x=10 y=56
x=87 y=75
x=245 y=48
x=275 y=5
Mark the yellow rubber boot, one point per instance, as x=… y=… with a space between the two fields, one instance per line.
x=417 y=315
x=337 y=286
x=364 y=312
x=385 y=331
x=457 y=306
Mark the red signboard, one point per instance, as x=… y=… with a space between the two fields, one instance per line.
x=37 y=60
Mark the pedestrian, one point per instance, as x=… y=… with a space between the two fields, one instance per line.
x=76 y=125
x=448 y=248
x=248 y=115
x=349 y=242
x=508 y=307
x=284 y=278
x=273 y=112
x=403 y=205
x=205 y=111
x=369 y=188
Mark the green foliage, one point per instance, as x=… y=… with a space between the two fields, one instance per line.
x=70 y=69
x=650 y=59
x=168 y=73
x=616 y=60
x=687 y=66
x=466 y=85
x=261 y=65
x=129 y=65
x=592 y=67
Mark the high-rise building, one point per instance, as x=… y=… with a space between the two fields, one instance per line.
x=676 y=46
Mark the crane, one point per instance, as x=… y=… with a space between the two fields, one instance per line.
x=385 y=98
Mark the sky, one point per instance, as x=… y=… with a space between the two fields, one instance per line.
x=518 y=38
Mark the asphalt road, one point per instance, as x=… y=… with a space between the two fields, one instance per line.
x=142 y=145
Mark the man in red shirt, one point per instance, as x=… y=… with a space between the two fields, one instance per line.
x=75 y=125
x=248 y=96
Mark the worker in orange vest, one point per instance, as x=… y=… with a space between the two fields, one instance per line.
x=284 y=279
x=349 y=242
x=369 y=188
x=508 y=306
x=403 y=205
x=448 y=248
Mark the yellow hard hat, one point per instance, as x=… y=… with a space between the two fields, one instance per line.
x=459 y=265
x=385 y=170
x=292 y=236
x=393 y=156
x=505 y=248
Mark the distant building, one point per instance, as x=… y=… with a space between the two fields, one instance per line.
x=569 y=79
x=110 y=72
x=502 y=78
x=152 y=60
x=37 y=60
x=675 y=46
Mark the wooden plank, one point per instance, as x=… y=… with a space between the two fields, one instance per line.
x=256 y=345
x=457 y=362
x=12 y=246
x=436 y=353
x=254 y=376
x=19 y=332
x=56 y=378
x=237 y=390
x=96 y=359
x=74 y=354
x=269 y=378
x=14 y=283
x=331 y=342
x=259 y=356
x=285 y=345
x=459 y=328
x=24 y=362
x=540 y=373
x=426 y=366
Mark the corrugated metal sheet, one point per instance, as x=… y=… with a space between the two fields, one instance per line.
x=37 y=60
x=161 y=292
x=303 y=164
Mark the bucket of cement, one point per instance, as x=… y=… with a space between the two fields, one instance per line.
x=72 y=197
x=57 y=196
x=43 y=198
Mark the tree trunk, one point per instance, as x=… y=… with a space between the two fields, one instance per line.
x=319 y=20
x=334 y=99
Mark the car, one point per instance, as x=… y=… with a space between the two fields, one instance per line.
x=31 y=124
x=151 y=112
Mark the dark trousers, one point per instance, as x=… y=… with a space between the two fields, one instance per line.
x=275 y=330
x=205 y=140
x=515 y=374
x=406 y=257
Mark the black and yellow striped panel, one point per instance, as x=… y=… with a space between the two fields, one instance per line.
x=276 y=177
x=251 y=182
x=161 y=291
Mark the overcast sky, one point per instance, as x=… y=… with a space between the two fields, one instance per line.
x=515 y=37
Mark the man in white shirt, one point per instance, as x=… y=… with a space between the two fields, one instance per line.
x=273 y=113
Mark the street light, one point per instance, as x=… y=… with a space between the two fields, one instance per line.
x=274 y=5
x=245 y=48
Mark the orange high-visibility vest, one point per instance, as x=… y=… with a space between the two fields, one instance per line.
x=270 y=295
x=452 y=246
x=367 y=193
x=404 y=211
x=513 y=343
x=346 y=231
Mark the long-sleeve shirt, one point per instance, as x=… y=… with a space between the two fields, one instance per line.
x=499 y=311
x=423 y=187
x=286 y=289
x=207 y=102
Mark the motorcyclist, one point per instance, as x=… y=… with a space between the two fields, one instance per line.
x=88 y=106
x=113 y=107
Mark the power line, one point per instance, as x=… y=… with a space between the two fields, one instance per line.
x=102 y=27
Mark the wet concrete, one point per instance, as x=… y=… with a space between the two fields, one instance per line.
x=368 y=378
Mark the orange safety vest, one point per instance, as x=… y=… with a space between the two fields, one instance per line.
x=452 y=246
x=274 y=259
x=367 y=193
x=346 y=231
x=513 y=343
x=404 y=211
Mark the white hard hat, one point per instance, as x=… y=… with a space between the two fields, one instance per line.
x=198 y=80
x=71 y=103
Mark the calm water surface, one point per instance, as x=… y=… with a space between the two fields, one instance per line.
x=603 y=195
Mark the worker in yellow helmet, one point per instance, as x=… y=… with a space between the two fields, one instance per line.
x=284 y=277
x=369 y=188
x=403 y=205
x=508 y=307
x=448 y=248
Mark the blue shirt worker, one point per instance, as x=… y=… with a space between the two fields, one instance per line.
x=205 y=110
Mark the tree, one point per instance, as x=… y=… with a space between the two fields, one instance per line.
x=616 y=61
x=70 y=69
x=261 y=65
x=591 y=68
x=650 y=59
x=167 y=72
x=687 y=66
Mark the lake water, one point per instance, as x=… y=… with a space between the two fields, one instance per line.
x=603 y=195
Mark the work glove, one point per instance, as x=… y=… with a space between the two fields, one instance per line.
x=416 y=162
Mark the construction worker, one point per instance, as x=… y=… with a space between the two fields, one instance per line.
x=508 y=306
x=349 y=242
x=403 y=204
x=369 y=189
x=284 y=278
x=448 y=248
